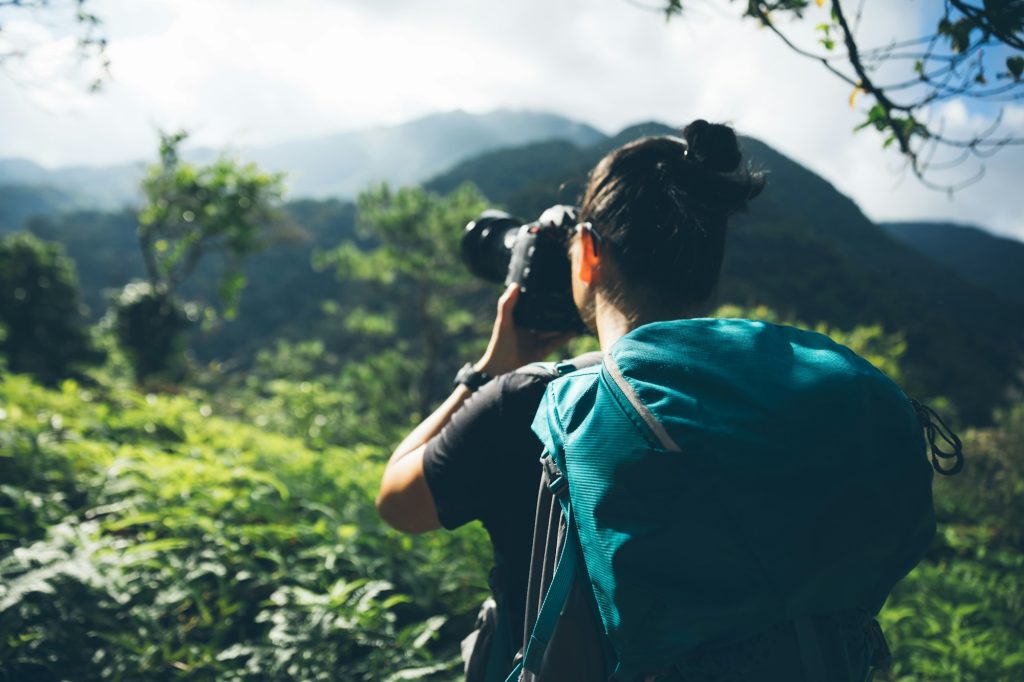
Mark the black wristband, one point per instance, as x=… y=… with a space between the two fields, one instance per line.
x=469 y=377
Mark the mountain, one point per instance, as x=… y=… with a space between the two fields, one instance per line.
x=16 y=171
x=335 y=165
x=807 y=251
x=342 y=165
x=18 y=203
x=980 y=257
x=531 y=177
x=84 y=186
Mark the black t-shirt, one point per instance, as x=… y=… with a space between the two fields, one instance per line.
x=484 y=464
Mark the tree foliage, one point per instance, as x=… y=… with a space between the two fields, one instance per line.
x=425 y=305
x=227 y=209
x=45 y=327
x=152 y=326
x=191 y=212
x=975 y=54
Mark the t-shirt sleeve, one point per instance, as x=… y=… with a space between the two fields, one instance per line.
x=486 y=453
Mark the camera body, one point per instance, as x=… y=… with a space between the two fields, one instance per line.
x=499 y=248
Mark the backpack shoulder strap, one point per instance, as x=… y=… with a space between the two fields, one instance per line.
x=566 y=618
x=551 y=534
x=562 y=580
x=548 y=520
x=553 y=370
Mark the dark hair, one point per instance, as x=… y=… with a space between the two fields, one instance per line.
x=661 y=205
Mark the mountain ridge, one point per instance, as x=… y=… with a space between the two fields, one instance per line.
x=333 y=165
x=991 y=261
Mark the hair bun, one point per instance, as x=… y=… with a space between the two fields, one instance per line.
x=712 y=146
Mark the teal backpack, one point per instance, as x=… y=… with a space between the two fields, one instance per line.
x=727 y=481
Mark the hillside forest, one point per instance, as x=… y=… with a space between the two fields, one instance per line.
x=199 y=389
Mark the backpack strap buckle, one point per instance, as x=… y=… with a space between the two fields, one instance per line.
x=556 y=480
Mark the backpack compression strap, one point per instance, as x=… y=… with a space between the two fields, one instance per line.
x=561 y=582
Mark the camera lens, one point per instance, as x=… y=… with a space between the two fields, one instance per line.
x=487 y=244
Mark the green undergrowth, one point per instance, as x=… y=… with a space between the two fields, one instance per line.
x=144 y=538
x=960 y=614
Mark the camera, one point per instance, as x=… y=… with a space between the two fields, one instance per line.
x=498 y=247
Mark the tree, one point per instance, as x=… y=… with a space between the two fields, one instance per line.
x=191 y=212
x=975 y=55
x=152 y=327
x=426 y=309
x=44 y=323
x=227 y=208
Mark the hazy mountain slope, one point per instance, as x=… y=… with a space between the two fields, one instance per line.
x=530 y=178
x=980 y=257
x=344 y=164
x=807 y=250
x=86 y=186
x=18 y=171
x=18 y=203
x=334 y=165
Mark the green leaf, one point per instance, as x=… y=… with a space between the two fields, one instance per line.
x=157 y=546
x=1015 y=65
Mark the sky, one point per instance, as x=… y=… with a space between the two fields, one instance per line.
x=240 y=73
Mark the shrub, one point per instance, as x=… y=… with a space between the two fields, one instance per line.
x=45 y=332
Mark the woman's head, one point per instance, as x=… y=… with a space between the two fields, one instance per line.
x=659 y=207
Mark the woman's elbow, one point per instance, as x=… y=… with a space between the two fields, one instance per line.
x=399 y=516
x=405 y=502
x=389 y=510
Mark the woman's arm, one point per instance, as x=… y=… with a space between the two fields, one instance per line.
x=405 y=501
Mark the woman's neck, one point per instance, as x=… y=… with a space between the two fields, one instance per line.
x=612 y=323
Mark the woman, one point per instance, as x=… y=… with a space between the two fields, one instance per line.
x=648 y=249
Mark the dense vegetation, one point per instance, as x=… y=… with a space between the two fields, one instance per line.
x=145 y=537
x=220 y=526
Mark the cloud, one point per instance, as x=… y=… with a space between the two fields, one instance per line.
x=250 y=72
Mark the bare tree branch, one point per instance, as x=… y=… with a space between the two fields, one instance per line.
x=972 y=47
x=86 y=27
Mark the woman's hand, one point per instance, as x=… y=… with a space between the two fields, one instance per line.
x=512 y=347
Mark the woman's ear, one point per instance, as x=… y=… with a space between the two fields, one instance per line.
x=589 y=260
